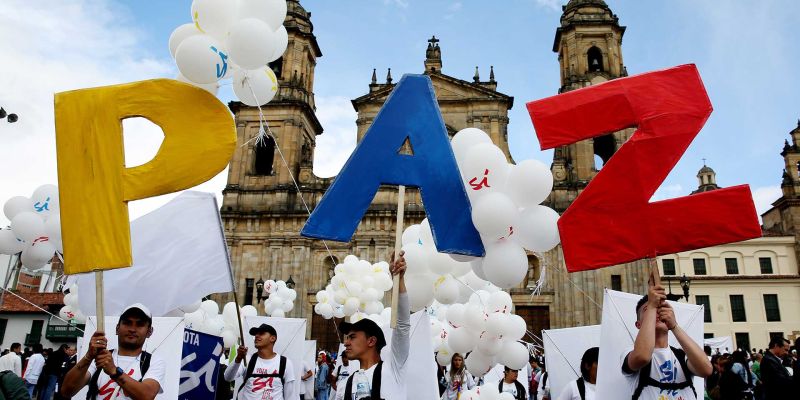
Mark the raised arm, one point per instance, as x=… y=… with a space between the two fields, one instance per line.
x=401 y=337
x=233 y=370
x=697 y=361
x=645 y=342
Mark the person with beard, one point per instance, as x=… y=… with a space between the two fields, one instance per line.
x=129 y=372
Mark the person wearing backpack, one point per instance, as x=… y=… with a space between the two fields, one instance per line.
x=364 y=340
x=128 y=372
x=583 y=388
x=543 y=389
x=268 y=375
x=509 y=384
x=340 y=375
x=654 y=369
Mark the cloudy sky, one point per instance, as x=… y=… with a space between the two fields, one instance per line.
x=746 y=51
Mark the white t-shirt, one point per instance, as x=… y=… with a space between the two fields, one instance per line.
x=664 y=368
x=341 y=373
x=544 y=389
x=266 y=388
x=457 y=384
x=11 y=362
x=510 y=388
x=106 y=387
x=305 y=384
x=34 y=368
x=571 y=391
x=393 y=372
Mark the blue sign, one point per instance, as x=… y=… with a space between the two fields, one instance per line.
x=199 y=366
x=410 y=113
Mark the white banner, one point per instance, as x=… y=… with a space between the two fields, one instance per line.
x=563 y=350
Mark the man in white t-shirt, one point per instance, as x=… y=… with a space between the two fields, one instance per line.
x=34 y=368
x=509 y=384
x=11 y=361
x=126 y=373
x=341 y=373
x=364 y=340
x=306 y=382
x=654 y=369
x=583 y=388
x=268 y=375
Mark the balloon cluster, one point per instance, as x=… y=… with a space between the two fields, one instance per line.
x=232 y=39
x=484 y=328
x=485 y=392
x=71 y=311
x=281 y=298
x=356 y=290
x=506 y=208
x=35 y=227
x=206 y=317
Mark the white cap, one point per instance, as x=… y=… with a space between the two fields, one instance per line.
x=141 y=307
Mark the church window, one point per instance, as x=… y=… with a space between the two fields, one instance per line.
x=731 y=266
x=766 y=265
x=616 y=282
x=277 y=67
x=249 y=283
x=265 y=157
x=669 y=266
x=595 y=58
x=604 y=148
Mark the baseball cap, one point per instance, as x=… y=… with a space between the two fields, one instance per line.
x=137 y=309
x=366 y=325
x=263 y=328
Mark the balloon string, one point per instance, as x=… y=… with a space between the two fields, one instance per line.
x=259 y=139
x=42 y=309
x=566 y=360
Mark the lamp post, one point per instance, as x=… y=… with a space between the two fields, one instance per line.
x=260 y=291
x=290 y=282
x=684 y=282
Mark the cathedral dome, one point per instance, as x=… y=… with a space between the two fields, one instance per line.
x=574 y=4
x=705 y=170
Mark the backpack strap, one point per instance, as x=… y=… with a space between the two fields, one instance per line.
x=251 y=366
x=375 y=393
x=544 y=379
x=645 y=379
x=520 y=390
x=581 y=388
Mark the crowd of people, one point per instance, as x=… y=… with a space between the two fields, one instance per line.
x=35 y=372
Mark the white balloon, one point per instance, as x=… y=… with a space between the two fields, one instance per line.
x=36 y=255
x=474 y=317
x=505 y=264
x=490 y=392
x=514 y=328
x=537 y=229
x=350 y=259
x=194 y=320
x=455 y=315
x=229 y=314
x=66 y=312
x=212 y=87
x=214 y=17
x=489 y=345
x=529 y=183
x=504 y=396
x=494 y=214
x=210 y=307
x=495 y=324
x=255 y=87
x=420 y=290
x=478 y=364
x=280 y=285
x=351 y=306
x=281 y=43
x=416 y=259
x=248 y=311
x=373 y=307
x=251 y=43
x=513 y=355
x=371 y=294
x=500 y=301
x=80 y=318
x=287 y=305
x=466 y=138
x=16 y=205
x=441 y=263
x=484 y=169
x=462 y=340
x=52 y=227
x=444 y=355
x=270 y=286
x=9 y=244
x=214 y=326
x=45 y=200
x=189 y=308
x=28 y=226
x=229 y=338
x=411 y=235
x=180 y=34
x=425 y=233
x=460 y=268
x=326 y=310
x=445 y=289
x=278 y=313
x=323 y=296
x=477 y=269
x=273 y=12
x=201 y=59
x=338 y=312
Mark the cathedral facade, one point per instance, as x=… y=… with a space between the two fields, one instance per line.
x=270 y=184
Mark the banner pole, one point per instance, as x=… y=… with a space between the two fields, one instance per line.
x=98 y=295
x=398 y=244
x=655 y=274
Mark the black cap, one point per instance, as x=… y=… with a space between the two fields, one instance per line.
x=263 y=328
x=366 y=325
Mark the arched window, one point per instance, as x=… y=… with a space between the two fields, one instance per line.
x=265 y=156
x=277 y=67
x=595 y=58
x=604 y=148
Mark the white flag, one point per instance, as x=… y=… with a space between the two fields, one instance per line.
x=179 y=256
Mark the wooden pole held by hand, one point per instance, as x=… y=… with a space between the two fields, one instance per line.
x=398 y=245
x=655 y=274
x=98 y=295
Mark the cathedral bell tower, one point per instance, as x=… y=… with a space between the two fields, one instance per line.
x=589 y=47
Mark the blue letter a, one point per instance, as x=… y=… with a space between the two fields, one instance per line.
x=411 y=112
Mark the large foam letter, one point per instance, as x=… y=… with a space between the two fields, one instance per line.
x=411 y=112
x=95 y=186
x=612 y=221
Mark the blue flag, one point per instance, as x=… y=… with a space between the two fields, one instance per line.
x=199 y=366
